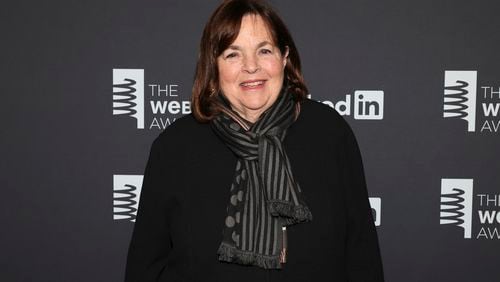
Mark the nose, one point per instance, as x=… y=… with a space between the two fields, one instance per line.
x=251 y=64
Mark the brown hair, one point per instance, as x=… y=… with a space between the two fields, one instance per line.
x=220 y=32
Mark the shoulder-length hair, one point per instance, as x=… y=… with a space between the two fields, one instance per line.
x=220 y=32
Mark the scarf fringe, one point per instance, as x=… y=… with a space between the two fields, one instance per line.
x=229 y=253
x=293 y=213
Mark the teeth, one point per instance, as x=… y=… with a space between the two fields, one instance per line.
x=255 y=83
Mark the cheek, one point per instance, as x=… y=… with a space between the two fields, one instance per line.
x=227 y=73
x=275 y=67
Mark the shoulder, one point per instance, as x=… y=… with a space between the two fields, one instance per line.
x=322 y=126
x=183 y=129
x=185 y=132
x=323 y=117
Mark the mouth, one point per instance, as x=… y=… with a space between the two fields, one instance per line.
x=253 y=84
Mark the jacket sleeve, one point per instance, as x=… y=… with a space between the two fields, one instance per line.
x=150 y=244
x=364 y=262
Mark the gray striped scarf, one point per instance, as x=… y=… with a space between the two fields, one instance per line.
x=264 y=196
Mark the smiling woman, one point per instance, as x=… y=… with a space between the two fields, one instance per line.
x=251 y=69
x=245 y=42
x=259 y=183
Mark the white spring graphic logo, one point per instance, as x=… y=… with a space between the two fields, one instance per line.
x=456 y=203
x=376 y=206
x=128 y=94
x=126 y=194
x=460 y=96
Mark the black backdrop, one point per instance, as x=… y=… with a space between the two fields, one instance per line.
x=66 y=147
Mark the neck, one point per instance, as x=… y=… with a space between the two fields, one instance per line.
x=251 y=116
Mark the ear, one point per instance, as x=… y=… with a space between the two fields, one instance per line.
x=285 y=56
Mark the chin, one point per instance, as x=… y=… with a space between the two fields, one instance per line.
x=255 y=104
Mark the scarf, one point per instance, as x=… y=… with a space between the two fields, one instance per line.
x=264 y=196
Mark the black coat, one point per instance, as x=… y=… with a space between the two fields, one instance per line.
x=185 y=193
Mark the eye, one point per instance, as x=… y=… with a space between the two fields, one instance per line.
x=265 y=51
x=231 y=55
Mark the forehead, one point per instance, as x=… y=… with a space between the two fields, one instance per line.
x=253 y=29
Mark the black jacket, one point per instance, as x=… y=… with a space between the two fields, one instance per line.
x=185 y=193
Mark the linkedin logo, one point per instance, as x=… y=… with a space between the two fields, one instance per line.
x=367 y=105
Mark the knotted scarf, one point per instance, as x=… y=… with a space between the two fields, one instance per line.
x=264 y=196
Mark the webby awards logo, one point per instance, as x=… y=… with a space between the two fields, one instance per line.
x=461 y=97
x=126 y=195
x=363 y=105
x=457 y=209
x=376 y=206
x=157 y=103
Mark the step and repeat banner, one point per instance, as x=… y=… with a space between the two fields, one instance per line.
x=87 y=86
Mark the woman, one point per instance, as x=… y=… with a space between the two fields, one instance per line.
x=259 y=183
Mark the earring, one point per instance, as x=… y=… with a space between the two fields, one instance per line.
x=212 y=92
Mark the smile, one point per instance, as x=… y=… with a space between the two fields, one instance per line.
x=253 y=83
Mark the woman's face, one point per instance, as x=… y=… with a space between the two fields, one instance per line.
x=251 y=70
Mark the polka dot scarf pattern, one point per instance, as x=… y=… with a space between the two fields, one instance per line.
x=264 y=196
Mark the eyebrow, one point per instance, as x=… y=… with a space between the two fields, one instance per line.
x=263 y=43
